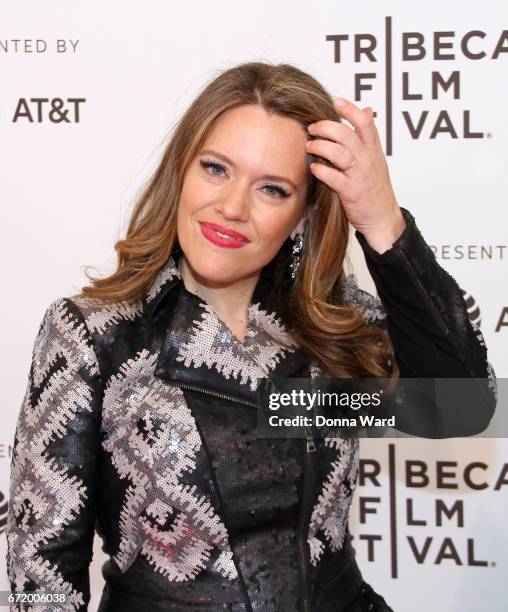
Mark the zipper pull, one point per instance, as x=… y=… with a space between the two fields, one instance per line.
x=311 y=447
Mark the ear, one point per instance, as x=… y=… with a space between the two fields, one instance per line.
x=300 y=226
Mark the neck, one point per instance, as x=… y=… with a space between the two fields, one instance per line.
x=230 y=301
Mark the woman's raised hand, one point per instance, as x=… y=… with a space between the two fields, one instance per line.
x=359 y=175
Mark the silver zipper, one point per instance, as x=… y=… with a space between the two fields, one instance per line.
x=233 y=398
x=311 y=447
x=303 y=525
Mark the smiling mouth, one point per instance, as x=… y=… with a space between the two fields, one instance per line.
x=227 y=233
x=221 y=238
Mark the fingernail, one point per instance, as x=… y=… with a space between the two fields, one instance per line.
x=340 y=101
x=310 y=127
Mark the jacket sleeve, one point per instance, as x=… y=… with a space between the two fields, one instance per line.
x=428 y=323
x=51 y=514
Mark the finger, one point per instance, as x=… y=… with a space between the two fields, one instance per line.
x=361 y=120
x=337 y=154
x=338 y=132
x=335 y=179
x=370 y=110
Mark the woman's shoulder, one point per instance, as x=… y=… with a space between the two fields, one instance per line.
x=370 y=307
x=99 y=314
x=78 y=324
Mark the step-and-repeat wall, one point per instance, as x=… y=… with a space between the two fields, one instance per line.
x=90 y=91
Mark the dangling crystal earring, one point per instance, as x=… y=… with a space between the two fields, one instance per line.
x=296 y=252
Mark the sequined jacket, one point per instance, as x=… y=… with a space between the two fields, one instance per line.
x=139 y=423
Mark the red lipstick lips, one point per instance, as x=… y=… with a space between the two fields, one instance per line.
x=222 y=236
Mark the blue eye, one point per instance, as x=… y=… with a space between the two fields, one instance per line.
x=206 y=163
x=276 y=190
x=282 y=192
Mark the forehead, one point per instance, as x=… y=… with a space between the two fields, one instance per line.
x=260 y=142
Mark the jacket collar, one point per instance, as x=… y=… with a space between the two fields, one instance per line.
x=167 y=277
x=200 y=350
x=270 y=282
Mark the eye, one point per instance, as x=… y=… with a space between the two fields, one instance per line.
x=277 y=191
x=208 y=163
x=283 y=193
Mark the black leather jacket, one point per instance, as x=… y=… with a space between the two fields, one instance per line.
x=139 y=421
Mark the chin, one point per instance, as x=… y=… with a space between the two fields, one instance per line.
x=216 y=267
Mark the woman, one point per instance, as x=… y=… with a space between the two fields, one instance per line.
x=139 y=417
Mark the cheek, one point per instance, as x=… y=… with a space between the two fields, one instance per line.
x=276 y=224
x=194 y=196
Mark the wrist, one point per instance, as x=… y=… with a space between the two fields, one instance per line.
x=382 y=240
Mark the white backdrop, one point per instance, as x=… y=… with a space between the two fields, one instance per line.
x=125 y=71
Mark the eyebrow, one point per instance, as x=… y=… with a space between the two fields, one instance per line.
x=268 y=177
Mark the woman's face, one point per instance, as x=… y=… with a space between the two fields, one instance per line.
x=250 y=178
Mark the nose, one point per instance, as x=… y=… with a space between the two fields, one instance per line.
x=234 y=203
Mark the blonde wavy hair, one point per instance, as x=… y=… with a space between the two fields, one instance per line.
x=327 y=329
